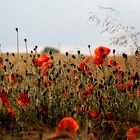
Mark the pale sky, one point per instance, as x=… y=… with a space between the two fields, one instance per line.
x=59 y=23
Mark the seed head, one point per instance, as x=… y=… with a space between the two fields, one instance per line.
x=25 y=40
x=124 y=55
x=13 y=54
x=114 y=51
x=7 y=53
x=89 y=46
x=16 y=29
x=73 y=56
x=50 y=52
x=78 y=51
x=67 y=53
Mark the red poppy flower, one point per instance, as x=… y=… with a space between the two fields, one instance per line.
x=129 y=84
x=1 y=65
x=87 y=71
x=138 y=92
x=68 y=124
x=98 y=61
x=120 y=86
x=4 y=98
x=82 y=65
x=89 y=90
x=101 y=51
x=133 y=133
x=44 y=62
x=45 y=67
x=1 y=62
x=113 y=63
x=87 y=59
x=11 y=111
x=23 y=99
x=94 y=113
x=5 y=101
x=42 y=58
x=66 y=94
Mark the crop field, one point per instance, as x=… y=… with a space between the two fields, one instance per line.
x=51 y=96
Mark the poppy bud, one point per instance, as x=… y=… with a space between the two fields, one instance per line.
x=114 y=51
x=136 y=52
x=59 y=62
x=78 y=51
x=10 y=63
x=16 y=29
x=68 y=70
x=6 y=60
x=7 y=53
x=4 y=68
x=13 y=54
x=25 y=40
x=66 y=53
x=124 y=55
x=73 y=56
x=50 y=52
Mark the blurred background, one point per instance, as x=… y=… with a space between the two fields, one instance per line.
x=62 y=24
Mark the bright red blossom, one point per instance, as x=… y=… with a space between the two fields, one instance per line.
x=83 y=67
x=45 y=67
x=42 y=58
x=138 y=92
x=1 y=65
x=67 y=124
x=98 y=61
x=89 y=90
x=1 y=62
x=23 y=99
x=11 y=111
x=113 y=63
x=4 y=97
x=132 y=133
x=44 y=62
x=101 y=51
x=129 y=84
x=95 y=113
x=120 y=86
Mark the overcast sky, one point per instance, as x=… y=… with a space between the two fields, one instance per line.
x=59 y=23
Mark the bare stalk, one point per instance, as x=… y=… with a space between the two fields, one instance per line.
x=17 y=46
x=25 y=40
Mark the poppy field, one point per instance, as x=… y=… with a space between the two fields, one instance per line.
x=78 y=97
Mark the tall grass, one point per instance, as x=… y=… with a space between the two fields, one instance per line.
x=101 y=92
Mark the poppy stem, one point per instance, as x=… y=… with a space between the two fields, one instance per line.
x=17 y=46
x=25 y=40
x=90 y=50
